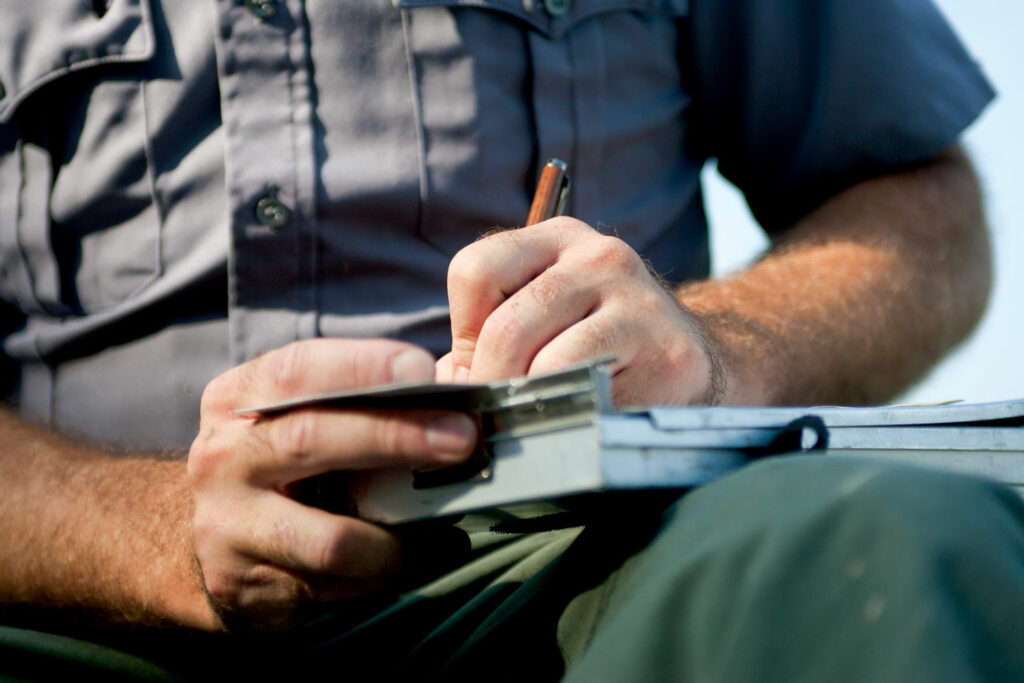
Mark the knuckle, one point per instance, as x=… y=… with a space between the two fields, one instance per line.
x=284 y=368
x=566 y=224
x=502 y=329
x=468 y=268
x=219 y=393
x=391 y=436
x=550 y=290
x=464 y=343
x=294 y=434
x=200 y=464
x=651 y=300
x=205 y=457
x=331 y=552
x=359 y=365
x=611 y=253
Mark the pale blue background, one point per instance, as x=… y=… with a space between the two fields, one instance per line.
x=989 y=366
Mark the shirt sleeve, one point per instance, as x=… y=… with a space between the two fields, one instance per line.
x=800 y=98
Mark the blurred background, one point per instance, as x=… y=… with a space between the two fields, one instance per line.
x=990 y=365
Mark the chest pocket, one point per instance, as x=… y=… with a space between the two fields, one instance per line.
x=503 y=85
x=79 y=221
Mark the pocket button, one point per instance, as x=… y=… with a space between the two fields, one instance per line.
x=262 y=9
x=272 y=213
x=556 y=8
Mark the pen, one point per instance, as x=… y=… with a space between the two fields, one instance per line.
x=552 y=191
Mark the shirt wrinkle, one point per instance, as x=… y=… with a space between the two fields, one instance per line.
x=382 y=137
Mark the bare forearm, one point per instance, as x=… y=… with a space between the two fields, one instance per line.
x=95 y=534
x=860 y=298
x=122 y=539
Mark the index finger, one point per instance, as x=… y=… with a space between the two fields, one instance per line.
x=309 y=441
x=486 y=273
x=317 y=366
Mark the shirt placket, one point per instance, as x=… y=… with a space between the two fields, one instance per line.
x=266 y=105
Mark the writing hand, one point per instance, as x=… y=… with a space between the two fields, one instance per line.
x=263 y=555
x=540 y=297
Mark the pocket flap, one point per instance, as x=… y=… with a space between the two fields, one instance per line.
x=41 y=41
x=551 y=17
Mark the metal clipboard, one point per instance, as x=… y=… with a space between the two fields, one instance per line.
x=556 y=436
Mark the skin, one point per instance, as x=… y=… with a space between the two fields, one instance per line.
x=225 y=518
x=859 y=298
x=852 y=304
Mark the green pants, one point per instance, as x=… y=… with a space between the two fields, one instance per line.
x=816 y=568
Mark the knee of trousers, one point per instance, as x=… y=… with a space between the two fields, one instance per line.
x=801 y=510
x=807 y=491
x=849 y=563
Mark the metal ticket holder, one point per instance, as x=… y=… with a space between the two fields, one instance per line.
x=555 y=437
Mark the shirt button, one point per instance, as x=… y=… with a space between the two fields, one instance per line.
x=272 y=213
x=556 y=8
x=262 y=9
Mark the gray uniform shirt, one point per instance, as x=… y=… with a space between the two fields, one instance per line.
x=184 y=185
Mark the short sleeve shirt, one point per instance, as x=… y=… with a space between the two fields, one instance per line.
x=186 y=185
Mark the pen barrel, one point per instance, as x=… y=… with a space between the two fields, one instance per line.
x=552 y=188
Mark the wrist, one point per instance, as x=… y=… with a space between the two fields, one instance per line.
x=738 y=357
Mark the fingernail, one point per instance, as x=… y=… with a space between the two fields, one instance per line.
x=413 y=365
x=451 y=435
x=461 y=374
